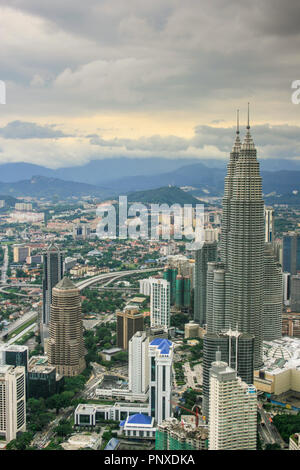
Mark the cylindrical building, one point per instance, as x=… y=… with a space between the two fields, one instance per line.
x=66 y=347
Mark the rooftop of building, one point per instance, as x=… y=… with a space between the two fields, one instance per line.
x=113 y=382
x=39 y=364
x=162 y=344
x=65 y=284
x=112 y=444
x=138 y=419
x=111 y=351
x=281 y=354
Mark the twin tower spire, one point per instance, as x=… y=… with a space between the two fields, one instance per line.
x=248 y=143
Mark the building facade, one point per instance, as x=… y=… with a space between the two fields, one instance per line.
x=129 y=321
x=52 y=274
x=12 y=402
x=237 y=351
x=160 y=386
x=65 y=346
x=232 y=410
x=160 y=302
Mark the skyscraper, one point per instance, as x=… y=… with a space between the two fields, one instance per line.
x=160 y=302
x=12 y=402
x=203 y=255
x=52 y=274
x=295 y=293
x=66 y=347
x=160 y=365
x=269 y=224
x=291 y=252
x=272 y=305
x=129 y=321
x=236 y=349
x=233 y=410
x=138 y=362
x=237 y=292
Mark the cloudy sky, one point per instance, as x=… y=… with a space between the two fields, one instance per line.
x=103 y=78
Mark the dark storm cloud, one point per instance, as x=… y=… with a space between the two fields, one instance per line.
x=74 y=58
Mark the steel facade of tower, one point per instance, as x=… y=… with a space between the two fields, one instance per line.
x=237 y=290
x=207 y=253
x=52 y=274
x=236 y=349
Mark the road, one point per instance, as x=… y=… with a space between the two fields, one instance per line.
x=268 y=432
x=15 y=338
x=112 y=276
x=25 y=318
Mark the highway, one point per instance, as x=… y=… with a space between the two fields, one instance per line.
x=112 y=276
x=268 y=431
x=25 y=318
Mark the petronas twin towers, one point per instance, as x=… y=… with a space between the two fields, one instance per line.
x=236 y=284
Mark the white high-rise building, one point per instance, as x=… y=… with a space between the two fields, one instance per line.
x=160 y=302
x=232 y=410
x=145 y=286
x=160 y=366
x=269 y=224
x=286 y=286
x=12 y=402
x=138 y=362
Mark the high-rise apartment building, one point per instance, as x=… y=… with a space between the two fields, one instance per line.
x=160 y=386
x=52 y=274
x=12 y=402
x=20 y=253
x=160 y=302
x=232 y=410
x=203 y=254
x=129 y=321
x=138 y=362
x=65 y=346
x=291 y=252
x=236 y=349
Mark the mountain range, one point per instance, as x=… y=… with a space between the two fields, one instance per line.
x=200 y=179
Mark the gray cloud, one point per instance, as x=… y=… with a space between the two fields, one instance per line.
x=30 y=130
x=81 y=59
x=276 y=141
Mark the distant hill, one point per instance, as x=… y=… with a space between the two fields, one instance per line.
x=165 y=195
x=41 y=186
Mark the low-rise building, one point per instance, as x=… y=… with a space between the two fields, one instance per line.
x=139 y=426
x=281 y=370
x=93 y=414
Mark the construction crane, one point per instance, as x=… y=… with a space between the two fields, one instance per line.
x=190 y=411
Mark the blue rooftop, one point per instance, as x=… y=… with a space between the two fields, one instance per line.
x=139 y=418
x=163 y=345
